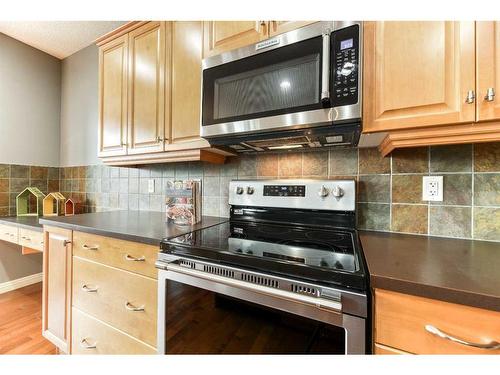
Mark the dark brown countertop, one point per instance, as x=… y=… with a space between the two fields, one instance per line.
x=459 y=271
x=139 y=226
x=28 y=222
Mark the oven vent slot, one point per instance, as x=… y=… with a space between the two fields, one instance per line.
x=260 y=280
x=187 y=264
x=218 y=271
x=296 y=288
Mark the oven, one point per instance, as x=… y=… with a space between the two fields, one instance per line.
x=300 y=89
x=207 y=308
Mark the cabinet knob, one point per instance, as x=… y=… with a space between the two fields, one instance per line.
x=66 y=242
x=159 y=139
x=471 y=96
x=490 y=94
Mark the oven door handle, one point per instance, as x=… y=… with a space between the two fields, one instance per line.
x=325 y=71
x=327 y=304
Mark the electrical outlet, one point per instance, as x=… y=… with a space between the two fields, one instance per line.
x=432 y=188
x=151 y=186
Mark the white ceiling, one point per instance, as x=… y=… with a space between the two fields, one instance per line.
x=58 y=38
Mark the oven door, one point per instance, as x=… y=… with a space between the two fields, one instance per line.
x=289 y=81
x=202 y=315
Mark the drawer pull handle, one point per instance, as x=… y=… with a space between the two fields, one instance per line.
x=88 y=289
x=131 y=307
x=86 y=345
x=87 y=247
x=437 y=332
x=134 y=259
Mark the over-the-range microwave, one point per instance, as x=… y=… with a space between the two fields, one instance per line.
x=297 y=90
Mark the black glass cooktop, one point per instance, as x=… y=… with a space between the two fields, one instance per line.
x=317 y=254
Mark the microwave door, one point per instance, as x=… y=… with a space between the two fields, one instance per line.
x=278 y=85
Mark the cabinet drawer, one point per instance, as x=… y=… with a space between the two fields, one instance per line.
x=31 y=239
x=91 y=336
x=382 y=349
x=127 y=255
x=110 y=294
x=400 y=322
x=9 y=233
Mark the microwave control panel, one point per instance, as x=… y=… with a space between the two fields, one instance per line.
x=345 y=57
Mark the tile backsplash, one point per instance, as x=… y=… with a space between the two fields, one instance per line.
x=389 y=189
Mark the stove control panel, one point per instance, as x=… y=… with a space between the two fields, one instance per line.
x=337 y=195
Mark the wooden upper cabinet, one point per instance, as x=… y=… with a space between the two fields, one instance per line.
x=417 y=74
x=186 y=80
x=280 y=27
x=146 y=88
x=113 y=58
x=222 y=36
x=56 y=296
x=488 y=70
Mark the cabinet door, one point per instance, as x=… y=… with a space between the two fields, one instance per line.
x=222 y=36
x=113 y=97
x=186 y=81
x=417 y=74
x=280 y=27
x=488 y=70
x=56 y=302
x=146 y=85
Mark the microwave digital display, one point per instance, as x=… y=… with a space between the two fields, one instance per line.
x=348 y=43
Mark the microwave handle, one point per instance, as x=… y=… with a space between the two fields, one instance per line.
x=325 y=71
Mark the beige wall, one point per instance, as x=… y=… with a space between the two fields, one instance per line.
x=30 y=102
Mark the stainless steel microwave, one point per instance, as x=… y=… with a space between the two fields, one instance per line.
x=300 y=89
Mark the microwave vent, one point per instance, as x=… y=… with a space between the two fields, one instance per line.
x=300 y=140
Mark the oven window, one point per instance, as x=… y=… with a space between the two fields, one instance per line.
x=202 y=322
x=284 y=80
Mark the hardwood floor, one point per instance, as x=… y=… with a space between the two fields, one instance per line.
x=21 y=322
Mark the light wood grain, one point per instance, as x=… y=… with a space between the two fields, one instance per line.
x=280 y=27
x=400 y=321
x=488 y=69
x=113 y=71
x=417 y=74
x=146 y=88
x=114 y=252
x=223 y=36
x=116 y=288
x=118 y=32
x=186 y=81
x=31 y=239
x=441 y=135
x=56 y=301
x=9 y=233
x=107 y=339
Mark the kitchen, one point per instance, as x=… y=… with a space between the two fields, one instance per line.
x=249 y=187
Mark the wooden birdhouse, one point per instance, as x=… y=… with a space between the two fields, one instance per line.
x=30 y=202
x=54 y=204
x=72 y=207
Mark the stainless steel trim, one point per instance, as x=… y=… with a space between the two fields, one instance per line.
x=279 y=293
x=325 y=67
x=492 y=345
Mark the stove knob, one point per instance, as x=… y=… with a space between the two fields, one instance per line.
x=239 y=190
x=337 y=191
x=250 y=190
x=323 y=192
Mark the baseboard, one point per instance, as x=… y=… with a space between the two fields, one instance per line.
x=21 y=282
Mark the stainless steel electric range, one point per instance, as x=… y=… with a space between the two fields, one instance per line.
x=285 y=274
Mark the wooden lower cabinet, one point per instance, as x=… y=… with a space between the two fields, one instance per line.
x=402 y=321
x=382 y=349
x=92 y=336
x=124 y=300
x=56 y=295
